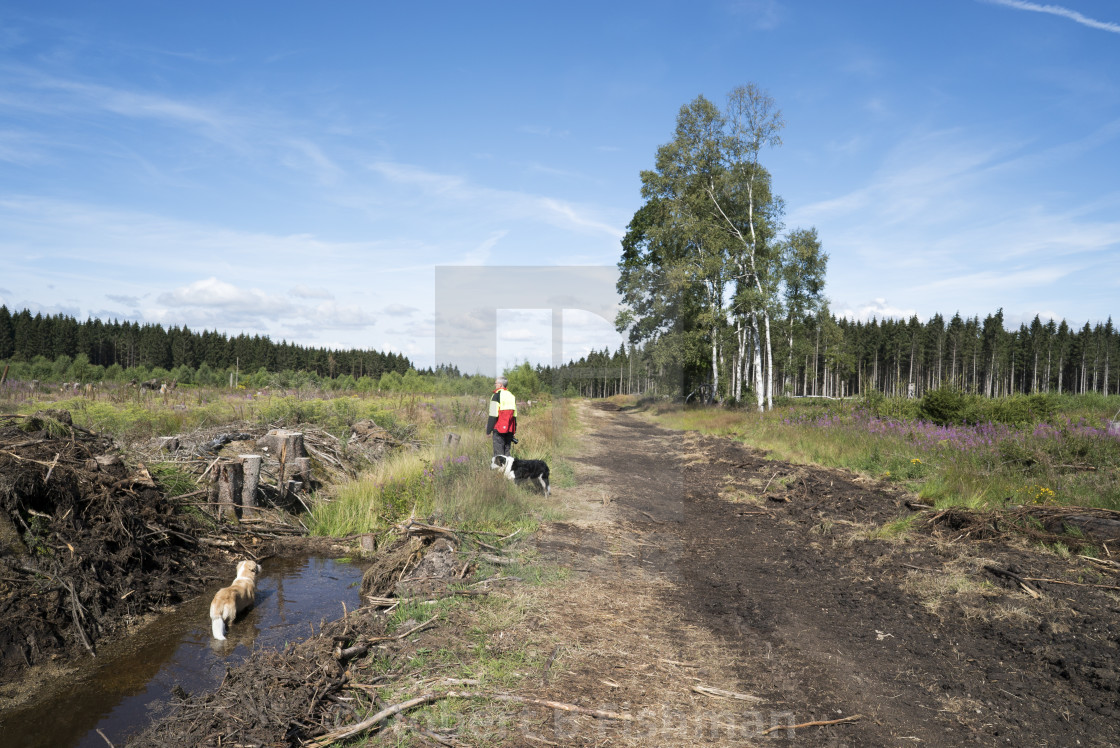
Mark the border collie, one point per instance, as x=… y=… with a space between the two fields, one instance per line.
x=518 y=470
x=230 y=601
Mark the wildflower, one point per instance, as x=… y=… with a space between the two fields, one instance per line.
x=915 y=461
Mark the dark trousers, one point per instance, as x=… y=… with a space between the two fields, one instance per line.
x=502 y=443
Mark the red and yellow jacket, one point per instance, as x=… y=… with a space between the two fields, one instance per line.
x=503 y=412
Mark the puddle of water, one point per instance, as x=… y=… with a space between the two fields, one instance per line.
x=117 y=691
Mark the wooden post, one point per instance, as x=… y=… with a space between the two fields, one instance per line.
x=252 y=472
x=229 y=479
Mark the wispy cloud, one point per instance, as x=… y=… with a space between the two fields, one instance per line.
x=304 y=155
x=545 y=131
x=994 y=280
x=117 y=101
x=480 y=254
x=497 y=202
x=764 y=15
x=1058 y=10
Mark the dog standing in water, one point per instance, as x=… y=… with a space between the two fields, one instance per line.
x=230 y=601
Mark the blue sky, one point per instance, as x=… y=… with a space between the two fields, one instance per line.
x=299 y=170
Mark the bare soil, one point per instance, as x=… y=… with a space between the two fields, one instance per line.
x=721 y=568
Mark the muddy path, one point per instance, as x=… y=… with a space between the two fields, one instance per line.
x=703 y=565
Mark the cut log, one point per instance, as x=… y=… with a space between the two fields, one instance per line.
x=1096 y=527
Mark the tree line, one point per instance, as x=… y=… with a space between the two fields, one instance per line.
x=837 y=357
x=130 y=345
x=721 y=300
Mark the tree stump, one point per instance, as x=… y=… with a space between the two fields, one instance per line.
x=229 y=477
x=251 y=465
x=301 y=470
x=283 y=444
x=286 y=447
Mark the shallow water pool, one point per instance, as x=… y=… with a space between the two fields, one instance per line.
x=117 y=691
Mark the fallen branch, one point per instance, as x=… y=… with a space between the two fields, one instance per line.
x=772 y=477
x=597 y=713
x=54 y=464
x=820 y=723
x=217 y=543
x=207 y=470
x=719 y=693
x=76 y=612
x=1072 y=584
x=412 y=528
x=348 y=732
x=420 y=729
x=398 y=637
x=1106 y=563
x=1030 y=589
x=27 y=459
x=349 y=653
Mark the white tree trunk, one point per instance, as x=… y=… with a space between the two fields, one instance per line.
x=760 y=394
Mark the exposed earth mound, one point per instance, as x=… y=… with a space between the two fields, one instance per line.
x=88 y=543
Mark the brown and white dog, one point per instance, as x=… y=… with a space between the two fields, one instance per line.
x=230 y=601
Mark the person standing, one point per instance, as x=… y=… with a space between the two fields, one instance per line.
x=502 y=423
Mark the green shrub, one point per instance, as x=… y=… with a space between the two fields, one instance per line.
x=945 y=406
x=1021 y=410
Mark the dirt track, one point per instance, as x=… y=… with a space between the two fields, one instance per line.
x=702 y=563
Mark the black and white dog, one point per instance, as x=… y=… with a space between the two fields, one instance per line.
x=517 y=470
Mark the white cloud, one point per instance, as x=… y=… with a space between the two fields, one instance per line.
x=1058 y=10
x=130 y=301
x=306 y=292
x=519 y=334
x=874 y=309
x=217 y=294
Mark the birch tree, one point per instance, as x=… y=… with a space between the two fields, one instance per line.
x=680 y=253
x=709 y=230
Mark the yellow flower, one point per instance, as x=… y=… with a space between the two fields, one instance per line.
x=915 y=461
